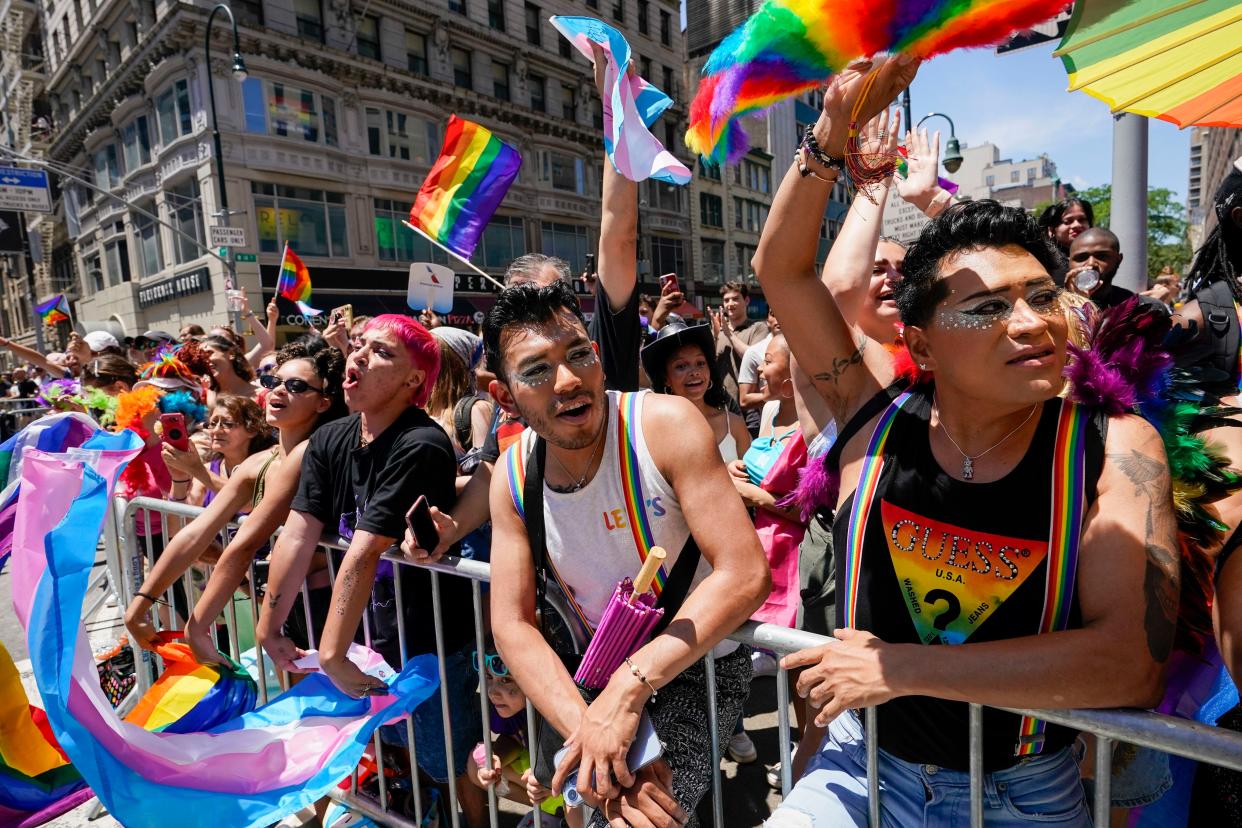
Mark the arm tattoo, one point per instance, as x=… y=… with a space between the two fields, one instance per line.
x=349 y=580
x=273 y=600
x=842 y=364
x=1161 y=580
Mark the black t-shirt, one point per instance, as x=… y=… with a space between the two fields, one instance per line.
x=27 y=388
x=948 y=562
x=1110 y=296
x=351 y=487
x=619 y=336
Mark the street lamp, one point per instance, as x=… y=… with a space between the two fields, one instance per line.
x=239 y=74
x=952 y=159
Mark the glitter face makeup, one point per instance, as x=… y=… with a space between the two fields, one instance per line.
x=579 y=358
x=988 y=311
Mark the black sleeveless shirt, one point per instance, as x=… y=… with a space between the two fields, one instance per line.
x=947 y=562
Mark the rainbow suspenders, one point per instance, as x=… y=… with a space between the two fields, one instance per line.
x=631 y=486
x=1067 y=509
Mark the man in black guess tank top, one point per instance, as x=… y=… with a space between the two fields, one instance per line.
x=996 y=545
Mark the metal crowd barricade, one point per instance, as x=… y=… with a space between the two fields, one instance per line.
x=1164 y=733
x=18 y=412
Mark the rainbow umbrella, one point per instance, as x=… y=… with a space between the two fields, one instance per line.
x=1174 y=60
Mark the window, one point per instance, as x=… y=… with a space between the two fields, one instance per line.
x=309 y=15
x=744 y=253
x=416 y=52
x=294 y=112
x=503 y=241
x=313 y=222
x=1013 y=176
x=597 y=113
x=1030 y=174
x=500 y=80
x=756 y=176
x=664 y=196
x=618 y=11
x=565 y=172
x=147 y=237
x=397 y=135
x=667 y=255
x=107 y=170
x=592 y=4
x=457 y=6
x=669 y=89
x=538 y=92
x=396 y=242
x=185 y=212
x=566 y=241
x=173 y=110
x=564 y=48
x=569 y=102
x=532 y=24
x=666 y=28
x=709 y=171
x=463 y=75
x=711 y=210
x=247 y=12
x=116 y=258
x=254 y=107
x=136 y=138
x=991 y=180
x=367 y=37
x=643 y=10
x=749 y=215
x=93 y=279
x=713 y=261
x=644 y=67
x=496 y=14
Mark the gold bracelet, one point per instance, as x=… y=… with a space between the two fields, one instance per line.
x=638 y=674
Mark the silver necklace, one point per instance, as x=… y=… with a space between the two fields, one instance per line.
x=581 y=483
x=968 y=462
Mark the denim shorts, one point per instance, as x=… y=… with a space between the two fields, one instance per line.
x=1042 y=790
x=460 y=682
x=1140 y=776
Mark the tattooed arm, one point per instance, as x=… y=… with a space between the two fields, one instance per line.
x=1127 y=590
x=290 y=560
x=350 y=595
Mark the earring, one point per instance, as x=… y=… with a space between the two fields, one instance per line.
x=788 y=396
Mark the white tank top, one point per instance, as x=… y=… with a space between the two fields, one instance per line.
x=589 y=538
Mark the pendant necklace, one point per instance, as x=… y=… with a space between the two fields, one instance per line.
x=581 y=482
x=968 y=462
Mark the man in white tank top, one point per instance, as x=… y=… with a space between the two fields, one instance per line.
x=548 y=371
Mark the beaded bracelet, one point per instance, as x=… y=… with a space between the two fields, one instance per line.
x=639 y=675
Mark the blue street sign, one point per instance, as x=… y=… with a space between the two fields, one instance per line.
x=24 y=190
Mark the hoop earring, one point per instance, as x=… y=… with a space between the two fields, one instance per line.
x=790 y=395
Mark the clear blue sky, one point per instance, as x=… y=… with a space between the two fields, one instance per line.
x=1018 y=102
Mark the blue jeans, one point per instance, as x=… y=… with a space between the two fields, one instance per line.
x=461 y=681
x=1043 y=790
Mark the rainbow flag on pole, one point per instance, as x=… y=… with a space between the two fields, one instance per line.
x=54 y=310
x=294 y=282
x=464 y=188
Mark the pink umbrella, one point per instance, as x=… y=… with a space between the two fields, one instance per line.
x=625 y=626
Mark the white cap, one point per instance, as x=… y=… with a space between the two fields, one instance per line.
x=99 y=340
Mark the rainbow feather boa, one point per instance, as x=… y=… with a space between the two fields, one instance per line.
x=792 y=46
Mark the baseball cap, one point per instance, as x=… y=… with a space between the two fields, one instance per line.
x=156 y=335
x=99 y=340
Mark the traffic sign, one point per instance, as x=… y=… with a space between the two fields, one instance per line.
x=24 y=190
x=221 y=236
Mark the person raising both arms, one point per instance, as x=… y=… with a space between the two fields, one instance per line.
x=305 y=394
x=965 y=461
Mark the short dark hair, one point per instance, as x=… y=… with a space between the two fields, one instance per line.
x=523 y=305
x=329 y=364
x=740 y=287
x=970 y=225
x=1051 y=216
x=1103 y=233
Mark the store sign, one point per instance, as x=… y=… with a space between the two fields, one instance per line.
x=165 y=290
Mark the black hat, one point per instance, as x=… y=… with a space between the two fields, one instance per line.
x=670 y=338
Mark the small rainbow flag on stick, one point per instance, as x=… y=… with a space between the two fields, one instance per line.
x=464 y=188
x=54 y=310
x=294 y=282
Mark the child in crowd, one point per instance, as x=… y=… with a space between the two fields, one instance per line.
x=510 y=769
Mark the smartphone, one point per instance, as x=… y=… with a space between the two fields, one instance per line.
x=644 y=750
x=346 y=314
x=422 y=526
x=590 y=263
x=668 y=283
x=173 y=431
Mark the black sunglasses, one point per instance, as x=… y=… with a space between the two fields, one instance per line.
x=293 y=385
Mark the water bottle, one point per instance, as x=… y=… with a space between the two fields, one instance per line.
x=233 y=298
x=1087 y=280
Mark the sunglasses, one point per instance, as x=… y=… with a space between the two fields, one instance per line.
x=227 y=425
x=293 y=385
x=492 y=661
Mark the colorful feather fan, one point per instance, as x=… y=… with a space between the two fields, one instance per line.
x=792 y=46
x=1125 y=368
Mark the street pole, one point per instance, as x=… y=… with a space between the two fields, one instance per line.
x=907 y=120
x=28 y=278
x=1129 y=204
x=239 y=72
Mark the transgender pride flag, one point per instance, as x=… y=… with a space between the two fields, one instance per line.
x=631 y=105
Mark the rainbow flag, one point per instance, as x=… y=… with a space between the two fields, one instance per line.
x=464 y=188
x=294 y=282
x=54 y=310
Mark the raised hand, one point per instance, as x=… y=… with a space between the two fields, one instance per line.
x=922 y=183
